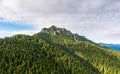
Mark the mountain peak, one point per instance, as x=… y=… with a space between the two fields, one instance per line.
x=53 y=30
x=53 y=27
x=58 y=30
x=61 y=30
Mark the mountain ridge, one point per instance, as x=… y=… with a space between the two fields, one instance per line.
x=62 y=31
x=112 y=46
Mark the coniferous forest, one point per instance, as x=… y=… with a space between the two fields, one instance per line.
x=56 y=51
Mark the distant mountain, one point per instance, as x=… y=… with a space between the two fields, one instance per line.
x=112 y=46
x=56 y=51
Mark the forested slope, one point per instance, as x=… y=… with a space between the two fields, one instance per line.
x=56 y=51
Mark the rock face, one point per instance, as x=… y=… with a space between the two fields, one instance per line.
x=62 y=31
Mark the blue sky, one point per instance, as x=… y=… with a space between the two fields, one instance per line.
x=11 y=26
x=98 y=20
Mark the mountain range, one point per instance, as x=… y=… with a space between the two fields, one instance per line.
x=56 y=51
x=112 y=46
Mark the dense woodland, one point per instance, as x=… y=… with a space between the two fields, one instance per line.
x=56 y=51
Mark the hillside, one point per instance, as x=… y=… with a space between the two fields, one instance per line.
x=56 y=51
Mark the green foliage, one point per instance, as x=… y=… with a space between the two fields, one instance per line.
x=31 y=55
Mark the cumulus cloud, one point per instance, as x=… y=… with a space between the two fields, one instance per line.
x=92 y=18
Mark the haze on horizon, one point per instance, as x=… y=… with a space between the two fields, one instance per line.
x=98 y=20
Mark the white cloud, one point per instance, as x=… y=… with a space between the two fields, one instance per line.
x=92 y=18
